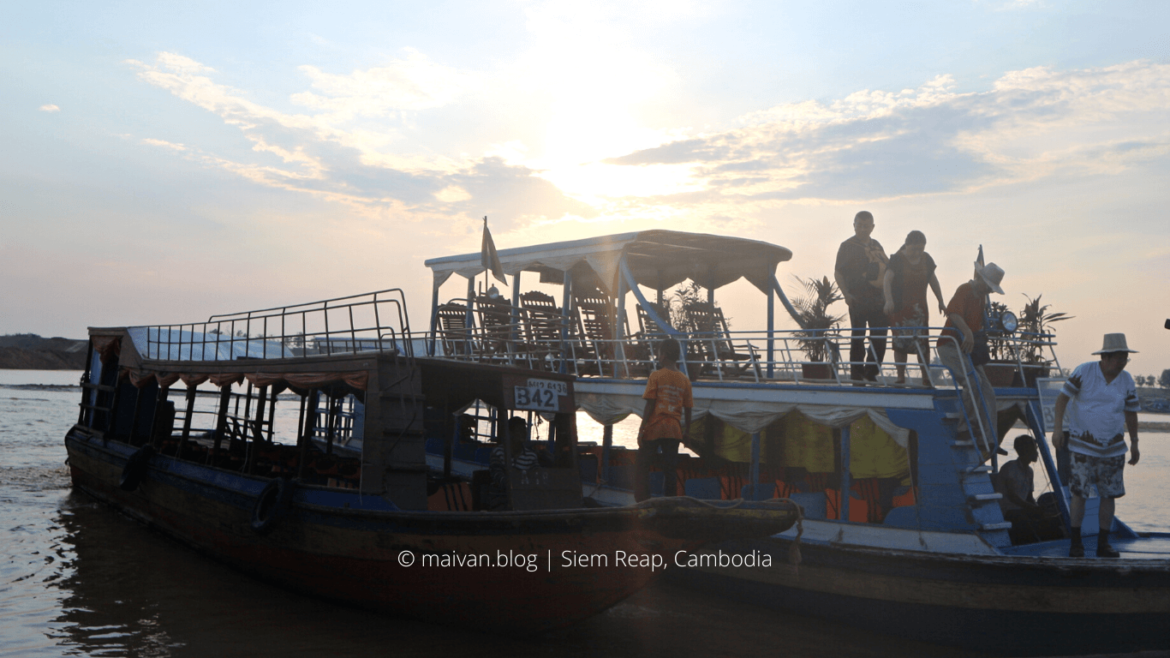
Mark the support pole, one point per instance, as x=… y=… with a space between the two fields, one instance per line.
x=846 y=481
x=225 y=398
x=771 y=330
x=606 y=447
x=470 y=318
x=566 y=313
x=187 y=420
x=624 y=269
x=309 y=416
x=619 y=349
x=1036 y=423
x=434 y=319
x=514 y=332
x=755 y=467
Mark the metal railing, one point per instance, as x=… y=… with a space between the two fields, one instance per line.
x=376 y=321
x=736 y=355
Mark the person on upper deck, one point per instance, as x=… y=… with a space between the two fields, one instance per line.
x=523 y=458
x=860 y=273
x=668 y=400
x=911 y=270
x=962 y=347
x=1106 y=406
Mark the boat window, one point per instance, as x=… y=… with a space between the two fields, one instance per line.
x=312 y=435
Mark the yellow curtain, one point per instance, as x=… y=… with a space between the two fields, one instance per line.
x=807 y=444
x=873 y=453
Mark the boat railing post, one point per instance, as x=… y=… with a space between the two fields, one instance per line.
x=514 y=329
x=606 y=447
x=771 y=329
x=306 y=427
x=160 y=399
x=846 y=479
x=225 y=396
x=469 y=319
x=1034 y=418
x=566 y=309
x=966 y=384
x=191 y=392
x=755 y=465
x=619 y=348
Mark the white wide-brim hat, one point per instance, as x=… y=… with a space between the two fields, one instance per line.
x=992 y=274
x=1114 y=343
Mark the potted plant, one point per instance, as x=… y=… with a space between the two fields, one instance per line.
x=1036 y=332
x=1022 y=344
x=816 y=320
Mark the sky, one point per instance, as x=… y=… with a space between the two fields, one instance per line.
x=163 y=162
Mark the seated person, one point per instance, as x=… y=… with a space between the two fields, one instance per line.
x=467 y=428
x=1030 y=523
x=523 y=458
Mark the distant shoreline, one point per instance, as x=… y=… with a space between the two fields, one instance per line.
x=31 y=352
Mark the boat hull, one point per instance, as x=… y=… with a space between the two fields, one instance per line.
x=499 y=571
x=999 y=604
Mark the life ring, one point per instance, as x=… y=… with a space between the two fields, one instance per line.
x=135 y=469
x=270 y=504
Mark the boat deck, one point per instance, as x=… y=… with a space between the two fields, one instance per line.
x=1154 y=546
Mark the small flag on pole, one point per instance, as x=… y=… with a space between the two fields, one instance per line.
x=488 y=256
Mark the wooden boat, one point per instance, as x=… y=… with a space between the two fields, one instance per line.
x=903 y=531
x=377 y=529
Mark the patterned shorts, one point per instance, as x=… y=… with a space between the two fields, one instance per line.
x=1105 y=472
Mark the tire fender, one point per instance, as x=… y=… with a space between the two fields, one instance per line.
x=134 y=472
x=271 y=504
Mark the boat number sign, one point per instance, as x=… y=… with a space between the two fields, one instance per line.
x=539 y=395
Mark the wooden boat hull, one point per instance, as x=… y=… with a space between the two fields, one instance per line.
x=361 y=551
x=1000 y=604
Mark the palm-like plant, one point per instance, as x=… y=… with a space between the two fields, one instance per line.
x=815 y=319
x=1035 y=319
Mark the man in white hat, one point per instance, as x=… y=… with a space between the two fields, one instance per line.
x=962 y=347
x=1106 y=406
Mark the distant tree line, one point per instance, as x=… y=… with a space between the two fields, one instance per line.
x=1151 y=381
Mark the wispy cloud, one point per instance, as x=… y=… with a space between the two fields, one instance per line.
x=874 y=144
x=348 y=145
x=49 y=108
x=330 y=153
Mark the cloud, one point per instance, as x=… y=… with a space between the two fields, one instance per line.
x=411 y=84
x=354 y=140
x=164 y=144
x=870 y=144
x=329 y=152
x=49 y=108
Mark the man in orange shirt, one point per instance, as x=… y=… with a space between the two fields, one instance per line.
x=668 y=398
x=962 y=347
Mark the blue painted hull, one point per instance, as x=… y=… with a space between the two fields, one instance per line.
x=998 y=604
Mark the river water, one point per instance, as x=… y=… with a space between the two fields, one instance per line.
x=79 y=579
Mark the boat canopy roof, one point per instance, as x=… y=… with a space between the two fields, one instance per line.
x=657 y=259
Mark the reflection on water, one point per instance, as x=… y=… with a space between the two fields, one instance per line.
x=121 y=589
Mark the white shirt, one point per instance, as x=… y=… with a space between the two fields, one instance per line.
x=1097 y=410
